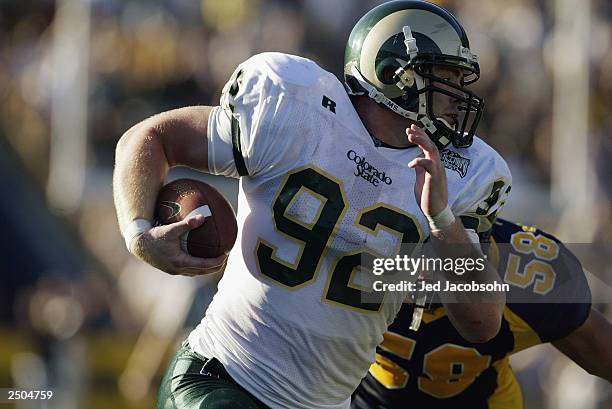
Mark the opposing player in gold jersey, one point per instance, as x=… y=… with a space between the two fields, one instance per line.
x=549 y=301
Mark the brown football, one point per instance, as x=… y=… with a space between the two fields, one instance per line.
x=183 y=197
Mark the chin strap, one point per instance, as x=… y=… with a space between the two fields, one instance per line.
x=419 y=117
x=410 y=42
x=417 y=313
x=420 y=300
x=379 y=97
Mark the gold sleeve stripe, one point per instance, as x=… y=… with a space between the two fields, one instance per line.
x=388 y=373
x=493 y=253
x=398 y=344
x=524 y=335
x=508 y=393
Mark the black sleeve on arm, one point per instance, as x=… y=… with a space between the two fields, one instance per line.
x=236 y=145
x=237 y=148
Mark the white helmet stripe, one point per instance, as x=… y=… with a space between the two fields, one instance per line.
x=421 y=21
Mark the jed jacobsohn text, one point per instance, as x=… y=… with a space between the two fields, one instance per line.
x=414 y=265
x=403 y=286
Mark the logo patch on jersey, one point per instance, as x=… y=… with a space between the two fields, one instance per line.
x=329 y=104
x=366 y=171
x=454 y=161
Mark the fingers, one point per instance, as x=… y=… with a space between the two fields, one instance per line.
x=185 y=260
x=194 y=266
x=424 y=163
x=418 y=137
x=161 y=248
x=179 y=228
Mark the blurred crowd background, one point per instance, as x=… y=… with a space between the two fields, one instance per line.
x=79 y=315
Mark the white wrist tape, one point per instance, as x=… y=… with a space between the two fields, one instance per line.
x=203 y=211
x=442 y=220
x=135 y=229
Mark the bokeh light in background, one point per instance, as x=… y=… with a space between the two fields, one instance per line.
x=77 y=313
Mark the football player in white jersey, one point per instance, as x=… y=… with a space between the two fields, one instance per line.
x=330 y=177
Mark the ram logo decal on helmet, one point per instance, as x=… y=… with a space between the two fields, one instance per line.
x=389 y=57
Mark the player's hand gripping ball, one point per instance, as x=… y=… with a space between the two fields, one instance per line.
x=187 y=197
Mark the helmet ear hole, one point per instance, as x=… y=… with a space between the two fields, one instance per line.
x=385 y=70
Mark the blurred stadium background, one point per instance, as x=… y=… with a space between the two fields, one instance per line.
x=79 y=315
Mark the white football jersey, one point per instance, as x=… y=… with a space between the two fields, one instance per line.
x=316 y=196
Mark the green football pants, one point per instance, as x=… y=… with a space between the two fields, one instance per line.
x=195 y=382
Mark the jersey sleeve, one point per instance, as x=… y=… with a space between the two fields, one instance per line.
x=250 y=132
x=485 y=194
x=221 y=151
x=555 y=300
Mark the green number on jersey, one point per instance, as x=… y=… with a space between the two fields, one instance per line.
x=315 y=237
x=380 y=216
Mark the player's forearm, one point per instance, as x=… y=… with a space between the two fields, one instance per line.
x=589 y=345
x=476 y=321
x=140 y=168
x=475 y=314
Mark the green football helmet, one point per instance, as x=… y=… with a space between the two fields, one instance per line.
x=390 y=55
